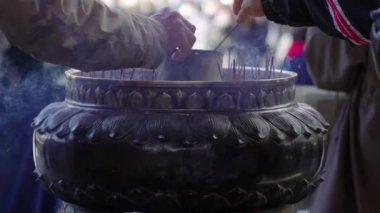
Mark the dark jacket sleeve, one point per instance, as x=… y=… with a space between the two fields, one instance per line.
x=349 y=19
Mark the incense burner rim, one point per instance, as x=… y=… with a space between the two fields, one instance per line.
x=74 y=74
x=89 y=89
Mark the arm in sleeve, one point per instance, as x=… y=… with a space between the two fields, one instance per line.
x=349 y=19
x=83 y=34
x=333 y=63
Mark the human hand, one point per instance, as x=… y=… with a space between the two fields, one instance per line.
x=180 y=32
x=246 y=9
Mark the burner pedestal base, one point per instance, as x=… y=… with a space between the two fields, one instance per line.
x=66 y=208
x=286 y=209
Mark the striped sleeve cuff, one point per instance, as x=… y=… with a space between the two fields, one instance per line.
x=343 y=25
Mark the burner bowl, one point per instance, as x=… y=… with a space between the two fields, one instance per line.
x=124 y=142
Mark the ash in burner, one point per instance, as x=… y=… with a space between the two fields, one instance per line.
x=240 y=72
x=201 y=65
x=132 y=74
x=234 y=73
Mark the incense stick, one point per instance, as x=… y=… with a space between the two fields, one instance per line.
x=228 y=34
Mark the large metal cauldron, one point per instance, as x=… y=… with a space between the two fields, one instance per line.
x=118 y=145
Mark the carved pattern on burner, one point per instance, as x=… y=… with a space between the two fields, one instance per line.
x=117 y=144
x=179 y=129
x=149 y=200
x=161 y=98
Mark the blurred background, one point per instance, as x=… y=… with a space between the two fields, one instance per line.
x=250 y=43
x=27 y=85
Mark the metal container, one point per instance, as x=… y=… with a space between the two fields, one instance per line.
x=200 y=65
x=119 y=145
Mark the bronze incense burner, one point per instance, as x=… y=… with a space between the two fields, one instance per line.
x=122 y=141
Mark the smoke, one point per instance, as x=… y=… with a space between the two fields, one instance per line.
x=27 y=84
x=248 y=45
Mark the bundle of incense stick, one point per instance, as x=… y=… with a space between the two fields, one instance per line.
x=236 y=70
x=264 y=68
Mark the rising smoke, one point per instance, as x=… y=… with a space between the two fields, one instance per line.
x=27 y=84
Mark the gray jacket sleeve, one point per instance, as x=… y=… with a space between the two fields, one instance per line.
x=333 y=63
x=83 y=34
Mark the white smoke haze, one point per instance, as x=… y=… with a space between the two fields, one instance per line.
x=28 y=85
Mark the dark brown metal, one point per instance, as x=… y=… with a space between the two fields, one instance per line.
x=119 y=145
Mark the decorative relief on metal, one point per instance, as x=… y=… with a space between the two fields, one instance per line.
x=143 y=98
x=122 y=145
x=258 y=127
x=217 y=95
x=144 y=200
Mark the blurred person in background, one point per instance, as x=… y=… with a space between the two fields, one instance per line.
x=26 y=86
x=88 y=35
x=247 y=48
x=352 y=174
x=296 y=60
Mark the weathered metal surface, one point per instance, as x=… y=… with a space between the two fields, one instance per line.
x=118 y=144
